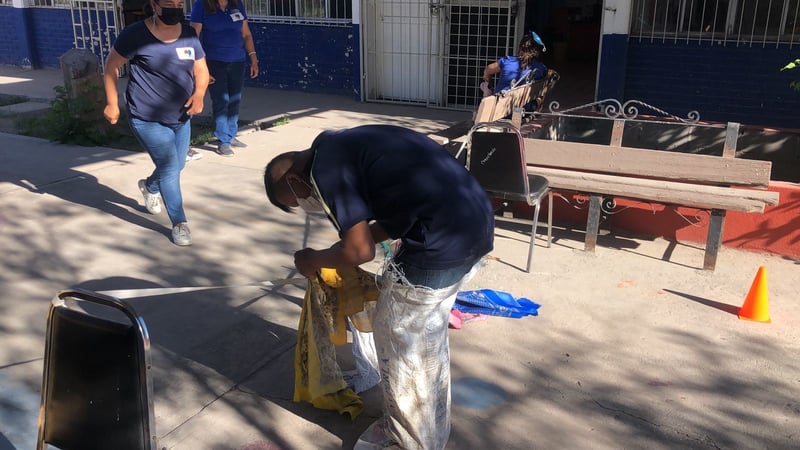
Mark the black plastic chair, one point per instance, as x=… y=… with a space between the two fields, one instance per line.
x=96 y=388
x=496 y=158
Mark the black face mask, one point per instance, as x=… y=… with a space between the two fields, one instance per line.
x=171 y=16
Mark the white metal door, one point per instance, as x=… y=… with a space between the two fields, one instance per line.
x=433 y=52
x=95 y=26
x=403 y=61
x=478 y=32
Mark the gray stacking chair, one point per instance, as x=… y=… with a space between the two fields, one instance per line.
x=96 y=388
x=496 y=158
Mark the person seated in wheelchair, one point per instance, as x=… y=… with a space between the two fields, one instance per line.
x=516 y=70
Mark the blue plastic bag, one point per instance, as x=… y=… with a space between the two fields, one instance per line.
x=495 y=303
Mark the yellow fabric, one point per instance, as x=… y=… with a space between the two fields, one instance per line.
x=346 y=291
x=328 y=300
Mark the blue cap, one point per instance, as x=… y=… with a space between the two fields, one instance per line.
x=538 y=40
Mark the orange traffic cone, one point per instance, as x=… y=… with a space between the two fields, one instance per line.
x=755 y=305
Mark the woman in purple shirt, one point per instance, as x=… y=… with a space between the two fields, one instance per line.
x=226 y=38
x=168 y=80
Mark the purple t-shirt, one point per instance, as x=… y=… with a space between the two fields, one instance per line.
x=162 y=74
x=411 y=186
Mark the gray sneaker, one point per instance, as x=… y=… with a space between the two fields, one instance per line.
x=181 y=234
x=193 y=154
x=237 y=143
x=151 y=201
x=225 y=150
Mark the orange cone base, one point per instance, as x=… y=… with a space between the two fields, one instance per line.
x=755 y=319
x=755 y=306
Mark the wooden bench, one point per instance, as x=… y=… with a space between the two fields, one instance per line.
x=716 y=183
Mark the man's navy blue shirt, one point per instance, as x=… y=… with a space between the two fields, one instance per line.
x=412 y=187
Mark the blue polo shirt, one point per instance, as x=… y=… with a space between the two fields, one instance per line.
x=221 y=34
x=162 y=74
x=510 y=71
x=411 y=186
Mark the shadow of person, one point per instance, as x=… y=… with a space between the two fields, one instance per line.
x=83 y=188
x=49 y=168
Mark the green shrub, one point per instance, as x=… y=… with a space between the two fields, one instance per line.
x=73 y=119
x=80 y=121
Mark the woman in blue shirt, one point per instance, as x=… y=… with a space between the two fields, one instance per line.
x=168 y=80
x=512 y=68
x=226 y=38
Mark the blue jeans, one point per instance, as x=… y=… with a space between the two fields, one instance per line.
x=167 y=146
x=226 y=94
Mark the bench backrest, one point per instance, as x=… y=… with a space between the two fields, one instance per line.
x=645 y=163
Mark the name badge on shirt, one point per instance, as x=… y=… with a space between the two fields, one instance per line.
x=185 y=53
x=237 y=16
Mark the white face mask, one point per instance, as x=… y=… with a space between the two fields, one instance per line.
x=310 y=204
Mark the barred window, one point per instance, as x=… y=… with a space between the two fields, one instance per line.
x=721 y=21
x=317 y=11
x=49 y=3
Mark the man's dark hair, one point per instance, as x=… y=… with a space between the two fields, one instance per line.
x=269 y=183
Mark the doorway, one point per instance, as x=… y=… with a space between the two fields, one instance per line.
x=571 y=30
x=433 y=53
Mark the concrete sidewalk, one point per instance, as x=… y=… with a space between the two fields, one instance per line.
x=635 y=347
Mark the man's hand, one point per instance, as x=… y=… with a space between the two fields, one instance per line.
x=304 y=261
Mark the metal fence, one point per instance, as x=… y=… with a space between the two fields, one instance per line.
x=95 y=25
x=717 y=22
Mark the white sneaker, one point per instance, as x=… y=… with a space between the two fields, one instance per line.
x=193 y=155
x=151 y=201
x=181 y=234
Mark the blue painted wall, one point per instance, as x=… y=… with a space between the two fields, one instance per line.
x=34 y=37
x=738 y=84
x=15 y=45
x=52 y=34
x=613 y=60
x=310 y=58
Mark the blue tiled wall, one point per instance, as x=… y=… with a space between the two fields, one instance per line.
x=310 y=58
x=739 y=84
x=613 y=60
x=34 y=37
x=52 y=34
x=14 y=47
